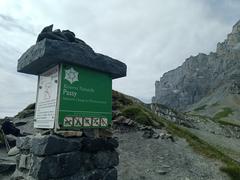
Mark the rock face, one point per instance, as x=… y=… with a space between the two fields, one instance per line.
x=54 y=157
x=201 y=75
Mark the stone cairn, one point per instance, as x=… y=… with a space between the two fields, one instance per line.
x=53 y=156
x=78 y=158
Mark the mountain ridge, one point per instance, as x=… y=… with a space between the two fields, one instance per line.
x=202 y=75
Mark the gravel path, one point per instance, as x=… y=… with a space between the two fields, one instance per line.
x=156 y=159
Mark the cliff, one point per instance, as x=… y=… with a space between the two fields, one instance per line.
x=202 y=76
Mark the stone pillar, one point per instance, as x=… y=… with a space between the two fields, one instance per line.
x=55 y=157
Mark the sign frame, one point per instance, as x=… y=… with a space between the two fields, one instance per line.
x=83 y=119
x=42 y=102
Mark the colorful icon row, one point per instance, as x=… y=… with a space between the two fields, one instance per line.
x=85 y=122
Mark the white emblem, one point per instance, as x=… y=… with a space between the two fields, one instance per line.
x=71 y=75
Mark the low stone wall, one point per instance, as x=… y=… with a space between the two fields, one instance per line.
x=55 y=157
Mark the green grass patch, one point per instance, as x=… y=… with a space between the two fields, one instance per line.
x=229 y=122
x=201 y=117
x=140 y=114
x=120 y=100
x=232 y=171
x=224 y=113
x=200 y=108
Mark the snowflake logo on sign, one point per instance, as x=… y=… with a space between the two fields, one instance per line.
x=71 y=75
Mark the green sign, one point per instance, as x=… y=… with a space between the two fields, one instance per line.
x=85 y=98
x=73 y=97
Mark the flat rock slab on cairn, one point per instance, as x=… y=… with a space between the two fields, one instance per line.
x=56 y=47
x=54 y=157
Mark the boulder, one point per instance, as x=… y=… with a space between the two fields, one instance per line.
x=60 y=165
x=7 y=167
x=148 y=134
x=24 y=143
x=52 y=144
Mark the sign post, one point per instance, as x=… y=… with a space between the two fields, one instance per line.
x=74 y=83
x=73 y=97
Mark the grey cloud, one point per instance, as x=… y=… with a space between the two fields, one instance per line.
x=9 y=23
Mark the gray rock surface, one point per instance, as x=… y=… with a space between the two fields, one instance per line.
x=53 y=48
x=13 y=151
x=24 y=143
x=201 y=75
x=49 y=145
x=162 y=159
x=53 y=157
x=7 y=165
x=106 y=159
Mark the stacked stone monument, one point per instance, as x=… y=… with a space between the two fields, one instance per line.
x=54 y=157
x=90 y=155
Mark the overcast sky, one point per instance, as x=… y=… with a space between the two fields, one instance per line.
x=150 y=36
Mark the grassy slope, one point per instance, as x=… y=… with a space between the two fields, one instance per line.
x=137 y=111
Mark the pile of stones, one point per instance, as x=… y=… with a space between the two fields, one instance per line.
x=55 y=157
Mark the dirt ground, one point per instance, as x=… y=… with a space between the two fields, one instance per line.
x=156 y=159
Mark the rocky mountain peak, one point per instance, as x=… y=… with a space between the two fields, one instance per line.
x=232 y=43
x=201 y=75
x=236 y=27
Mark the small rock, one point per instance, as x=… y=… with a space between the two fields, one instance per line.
x=148 y=170
x=129 y=122
x=116 y=113
x=162 y=172
x=162 y=135
x=161 y=157
x=11 y=137
x=20 y=123
x=169 y=136
x=13 y=151
x=70 y=133
x=105 y=133
x=166 y=166
x=145 y=128
x=7 y=167
x=11 y=140
x=156 y=136
x=119 y=119
x=148 y=134
x=25 y=161
x=23 y=143
x=213 y=132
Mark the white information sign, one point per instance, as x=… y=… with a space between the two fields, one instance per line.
x=47 y=99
